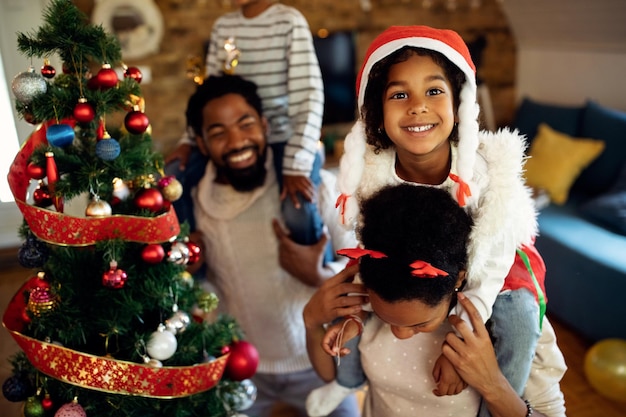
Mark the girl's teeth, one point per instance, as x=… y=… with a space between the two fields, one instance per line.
x=420 y=128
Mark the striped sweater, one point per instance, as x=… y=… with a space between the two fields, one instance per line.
x=277 y=54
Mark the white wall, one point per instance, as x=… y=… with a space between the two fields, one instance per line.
x=572 y=77
x=15 y=16
x=570 y=51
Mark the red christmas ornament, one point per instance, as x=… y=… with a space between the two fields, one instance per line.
x=41 y=195
x=242 y=362
x=114 y=278
x=153 y=253
x=47 y=403
x=48 y=71
x=100 y=131
x=194 y=253
x=134 y=73
x=106 y=77
x=136 y=122
x=150 y=199
x=83 y=111
x=53 y=177
x=35 y=171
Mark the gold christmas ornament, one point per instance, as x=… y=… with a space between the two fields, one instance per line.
x=208 y=301
x=40 y=301
x=98 y=208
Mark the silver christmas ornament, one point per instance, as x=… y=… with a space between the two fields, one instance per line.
x=27 y=85
x=179 y=253
x=241 y=397
x=178 y=322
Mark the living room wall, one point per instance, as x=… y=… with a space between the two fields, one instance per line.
x=187 y=25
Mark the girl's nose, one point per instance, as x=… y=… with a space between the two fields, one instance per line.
x=402 y=332
x=417 y=105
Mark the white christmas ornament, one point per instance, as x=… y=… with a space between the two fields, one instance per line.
x=162 y=344
x=27 y=85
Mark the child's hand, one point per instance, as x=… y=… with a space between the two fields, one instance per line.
x=294 y=184
x=448 y=381
x=333 y=337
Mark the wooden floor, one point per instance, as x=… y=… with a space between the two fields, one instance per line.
x=580 y=398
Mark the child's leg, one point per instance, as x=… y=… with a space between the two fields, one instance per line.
x=189 y=178
x=322 y=401
x=514 y=326
x=305 y=224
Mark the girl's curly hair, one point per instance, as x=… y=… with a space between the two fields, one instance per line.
x=408 y=223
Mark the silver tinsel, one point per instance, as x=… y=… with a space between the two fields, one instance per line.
x=27 y=85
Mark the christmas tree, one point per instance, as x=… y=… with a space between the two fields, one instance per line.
x=106 y=322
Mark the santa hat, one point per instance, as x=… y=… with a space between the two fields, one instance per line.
x=452 y=46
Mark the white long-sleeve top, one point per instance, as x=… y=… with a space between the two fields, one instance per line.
x=277 y=54
x=504 y=213
x=399 y=375
x=242 y=258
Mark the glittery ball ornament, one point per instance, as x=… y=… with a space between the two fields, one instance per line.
x=185 y=279
x=41 y=300
x=114 y=278
x=60 y=135
x=108 y=148
x=27 y=85
x=171 y=188
x=72 y=409
x=240 y=396
x=162 y=344
x=33 y=408
x=33 y=253
x=208 y=301
x=17 y=388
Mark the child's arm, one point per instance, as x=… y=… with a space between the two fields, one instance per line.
x=448 y=380
x=339 y=333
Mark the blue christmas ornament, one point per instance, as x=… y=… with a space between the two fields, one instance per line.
x=108 y=149
x=60 y=135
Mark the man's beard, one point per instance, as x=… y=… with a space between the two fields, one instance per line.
x=246 y=179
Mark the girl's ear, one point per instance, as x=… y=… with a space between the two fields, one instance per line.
x=202 y=145
x=460 y=282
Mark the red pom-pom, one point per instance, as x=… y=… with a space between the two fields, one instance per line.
x=242 y=362
x=136 y=122
x=106 y=77
x=134 y=73
x=114 y=277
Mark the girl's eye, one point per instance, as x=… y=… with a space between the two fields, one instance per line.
x=434 y=92
x=398 y=96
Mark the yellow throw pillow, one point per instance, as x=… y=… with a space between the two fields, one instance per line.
x=556 y=160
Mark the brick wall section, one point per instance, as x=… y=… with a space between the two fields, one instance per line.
x=188 y=24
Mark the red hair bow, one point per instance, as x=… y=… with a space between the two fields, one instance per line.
x=356 y=253
x=463 y=191
x=423 y=269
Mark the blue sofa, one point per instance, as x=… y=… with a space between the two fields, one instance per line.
x=583 y=242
